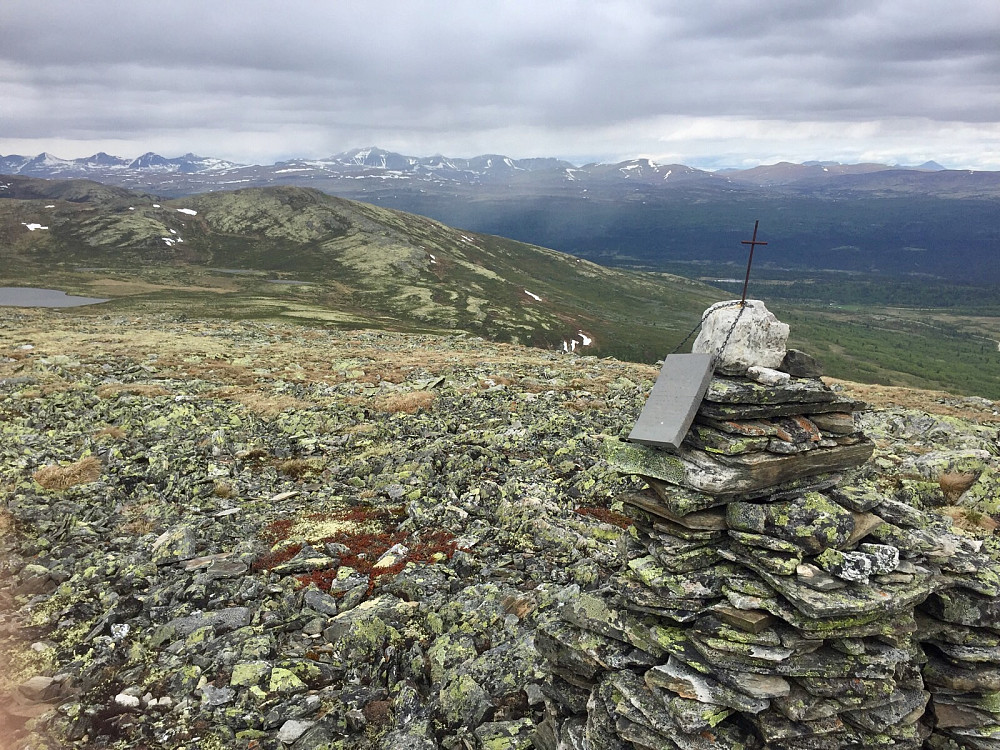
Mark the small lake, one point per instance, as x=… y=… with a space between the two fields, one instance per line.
x=26 y=296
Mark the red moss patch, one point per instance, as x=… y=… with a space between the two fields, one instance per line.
x=606 y=516
x=276 y=558
x=277 y=531
x=363 y=548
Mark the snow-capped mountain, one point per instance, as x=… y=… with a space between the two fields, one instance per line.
x=360 y=173
x=102 y=165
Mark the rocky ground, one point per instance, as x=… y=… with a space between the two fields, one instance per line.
x=250 y=535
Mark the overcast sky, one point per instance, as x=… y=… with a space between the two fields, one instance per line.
x=707 y=83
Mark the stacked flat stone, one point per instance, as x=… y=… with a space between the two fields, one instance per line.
x=765 y=605
x=963 y=668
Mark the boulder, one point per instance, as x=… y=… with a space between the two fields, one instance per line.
x=742 y=336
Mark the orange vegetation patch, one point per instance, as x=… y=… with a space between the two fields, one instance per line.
x=364 y=548
x=115 y=433
x=219 y=370
x=54 y=477
x=970 y=520
x=606 y=516
x=932 y=402
x=406 y=403
x=110 y=390
x=265 y=404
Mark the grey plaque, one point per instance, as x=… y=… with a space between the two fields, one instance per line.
x=674 y=400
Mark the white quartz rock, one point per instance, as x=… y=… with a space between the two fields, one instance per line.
x=767 y=376
x=757 y=340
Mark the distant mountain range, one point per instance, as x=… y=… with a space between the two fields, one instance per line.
x=921 y=221
x=375 y=167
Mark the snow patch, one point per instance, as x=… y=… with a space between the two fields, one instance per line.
x=51 y=206
x=188 y=211
x=32 y=227
x=585 y=339
x=533 y=296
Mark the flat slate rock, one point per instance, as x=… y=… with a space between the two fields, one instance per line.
x=729 y=476
x=846 y=602
x=725 y=412
x=650 y=502
x=745 y=391
x=674 y=400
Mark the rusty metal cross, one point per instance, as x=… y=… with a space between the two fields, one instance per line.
x=752 y=243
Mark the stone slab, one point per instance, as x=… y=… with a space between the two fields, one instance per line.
x=728 y=476
x=725 y=390
x=705 y=520
x=724 y=412
x=674 y=400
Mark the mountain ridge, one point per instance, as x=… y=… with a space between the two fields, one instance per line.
x=341 y=260
x=285 y=252
x=372 y=157
x=917 y=223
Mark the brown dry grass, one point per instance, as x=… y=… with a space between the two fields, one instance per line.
x=970 y=520
x=219 y=370
x=149 y=390
x=222 y=489
x=138 y=519
x=55 y=477
x=953 y=484
x=265 y=404
x=405 y=403
x=6 y=522
x=298 y=467
x=379 y=375
x=271 y=406
x=115 y=433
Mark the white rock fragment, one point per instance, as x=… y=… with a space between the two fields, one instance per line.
x=741 y=337
x=127 y=701
x=767 y=376
x=292 y=729
x=392 y=556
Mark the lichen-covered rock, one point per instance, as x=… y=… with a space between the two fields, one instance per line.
x=464 y=703
x=812 y=521
x=506 y=735
x=283 y=490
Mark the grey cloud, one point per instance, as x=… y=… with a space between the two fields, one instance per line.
x=472 y=72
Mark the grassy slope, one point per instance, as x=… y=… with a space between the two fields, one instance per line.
x=371 y=267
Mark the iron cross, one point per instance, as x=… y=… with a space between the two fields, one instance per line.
x=752 y=243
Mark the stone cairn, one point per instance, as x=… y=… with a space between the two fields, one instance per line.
x=765 y=604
